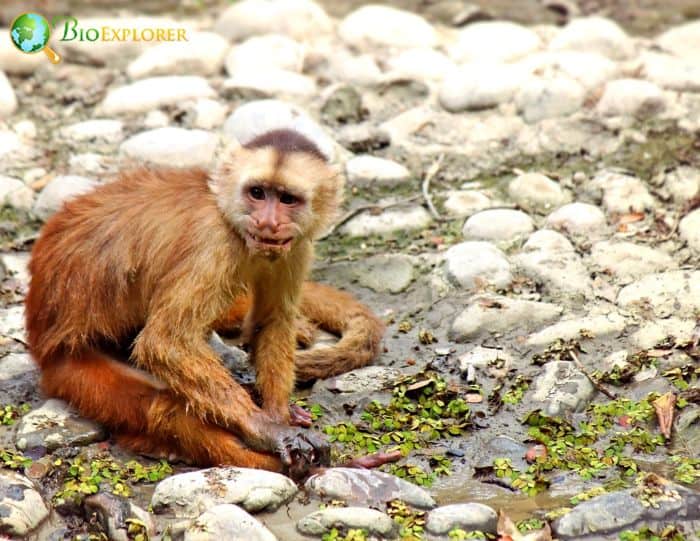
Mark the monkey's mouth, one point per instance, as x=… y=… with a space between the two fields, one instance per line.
x=268 y=243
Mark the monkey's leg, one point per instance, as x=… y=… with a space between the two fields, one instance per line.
x=144 y=415
x=337 y=312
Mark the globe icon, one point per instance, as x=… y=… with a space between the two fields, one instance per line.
x=30 y=33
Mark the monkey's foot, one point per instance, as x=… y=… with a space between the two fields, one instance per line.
x=374 y=460
x=298 y=416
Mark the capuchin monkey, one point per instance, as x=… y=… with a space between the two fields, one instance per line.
x=153 y=262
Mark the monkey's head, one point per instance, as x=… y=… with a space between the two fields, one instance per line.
x=277 y=190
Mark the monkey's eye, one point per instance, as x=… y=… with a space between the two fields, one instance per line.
x=256 y=192
x=287 y=198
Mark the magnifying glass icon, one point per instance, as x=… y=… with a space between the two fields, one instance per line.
x=30 y=33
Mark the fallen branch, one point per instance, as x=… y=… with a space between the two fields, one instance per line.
x=425 y=187
x=596 y=384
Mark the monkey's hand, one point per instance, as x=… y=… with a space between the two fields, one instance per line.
x=301 y=451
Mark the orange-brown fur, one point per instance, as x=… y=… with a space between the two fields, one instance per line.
x=158 y=255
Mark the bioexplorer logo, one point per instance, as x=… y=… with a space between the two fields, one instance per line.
x=31 y=32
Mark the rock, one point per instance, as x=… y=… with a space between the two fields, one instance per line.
x=498 y=41
x=8 y=100
x=354 y=69
x=389 y=221
x=670 y=71
x=683 y=183
x=464 y=203
x=21 y=507
x=390 y=273
x=371 y=520
x=298 y=19
x=12 y=323
x=148 y=94
x=578 y=219
x=363 y=138
x=11 y=145
x=208 y=114
x=501 y=447
x=114 y=515
x=597 y=325
x=55 y=425
x=360 y=380
x=484 y=358
x=15 y=193
x=58 y=191
x=465 y=516
x=562 y=389
x=421 y=64
x=546 y=240
x=375 y=25
x=172 y=147
x=474 y=265
x=479 y=86
x=107 y=130
x=272 y=51
x=590 y=70
x=534 y=191
x=229 y=522
x=631 y=97
x=627 y=261
x=15 y=62
x=497 y=224
x=17 y=266
x=90 y=163
x=342 y=105
x=540 y=98
x=202 y=54
x=261 y=116
x=26 y=129
x=665 y=293
x=18 y=378
x=189 y=494
x=156 y=119
x=653 y=332
x=272 y=82
x=594 y=35
x=682 y=40
x=368 y=170
x=367 y=487
x=500 y=314
x=622 y=193
x=689 y=228
x=604 y=516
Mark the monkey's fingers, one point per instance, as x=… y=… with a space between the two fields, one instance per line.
x=298 y=416
x=373 y=461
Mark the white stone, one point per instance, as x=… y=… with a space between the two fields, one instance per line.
x=202 y=54
x=273 y=82
x=463 y=203
x=10 y=144
x=192 y=493
x=535 y=191
x=272 y=51
x=355 y=69
x=465 y=516
x=479 y=86
x=548 y=241
x=652 y=332
x=497 y=224
x=499 y=41
x=599 y=325
x=17 y=265
x=58 y=191
x=98 y=129
x=15 y=193
x=368 y=170
x=156 y=119
x=670 y=71
x=420 y=64
x=154 y=92
x=261 y=116
x=173 y=147
x=25 y=129
x=474 y=265
x=623 y=193
x=382 y=26
x=8 y=100
x=682 y=40
x=227 y=522
x=594 y=35
x=16 y=365
x=683 y=183
x=13 y=61
x=498 y=314
x=590 y=70
x=89 y=163
x=23 y=508
x=12 y=323
x=486 y=359
x=209 y=114
x=562 y=388
x=540 y=98
x=632 y=97
x=675 y=292
x=578 y=219
x=371 y=520
x=689 y=229
x=627 y=261
x=389 y=221
x=299 y=19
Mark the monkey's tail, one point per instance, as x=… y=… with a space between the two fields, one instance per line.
x=339 y=313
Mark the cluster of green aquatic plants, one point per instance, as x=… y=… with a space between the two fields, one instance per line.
x=351 y=535
x=516 y=391
x=10 y=413
x=411 y=522
x=669 y=533
x=13 y=460
x=439 y=464
x=457 y=534
x=422 y=410
x=82 y=477
x=686 y=470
